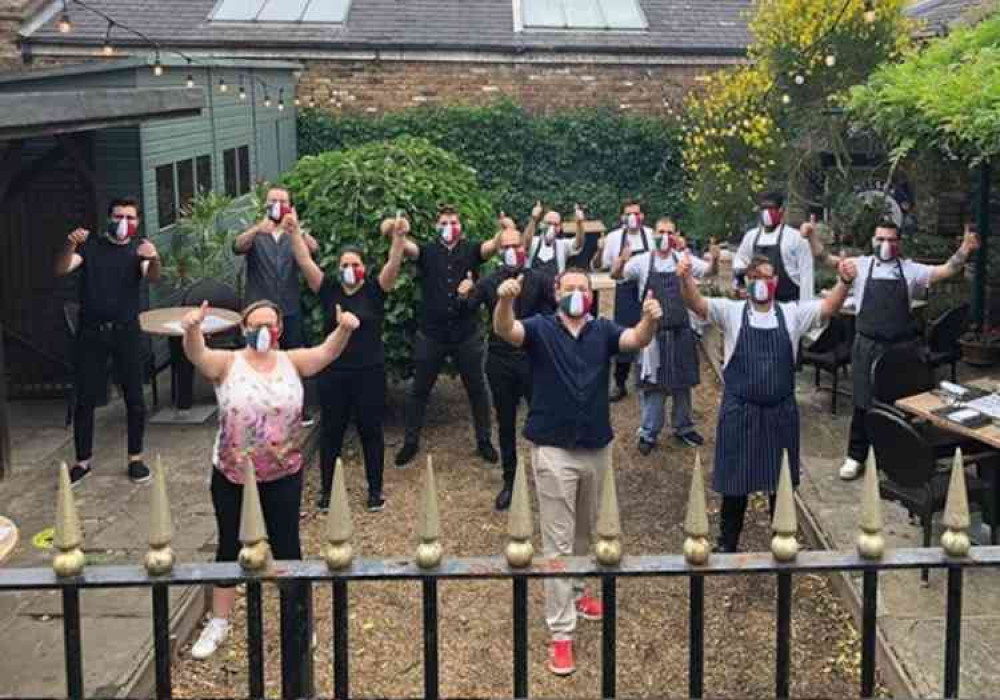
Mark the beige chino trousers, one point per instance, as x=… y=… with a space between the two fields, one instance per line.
x=568 y=483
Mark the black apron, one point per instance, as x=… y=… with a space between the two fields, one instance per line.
x=628 y=306
x=678 y=368
x=550 y=268
x=787 y=289
x=883 y=322
x=758 y=419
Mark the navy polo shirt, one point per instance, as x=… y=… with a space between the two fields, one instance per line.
x=569 y=402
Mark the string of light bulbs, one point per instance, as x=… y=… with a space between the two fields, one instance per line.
x=65 y=26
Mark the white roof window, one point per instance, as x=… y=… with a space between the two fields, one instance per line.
x=319 y=11
x=589 y=15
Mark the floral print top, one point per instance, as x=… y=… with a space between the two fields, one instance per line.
x=260 y=419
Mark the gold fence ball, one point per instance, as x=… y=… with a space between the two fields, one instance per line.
x=429 y=554
x=338 y=556
x=519 y=554
x=784 y=548
x=955 y=543
x=871 y=546
x=696 y=550
x=256 y=556
x=159 y=561
x=69 y=563
x=608 y=552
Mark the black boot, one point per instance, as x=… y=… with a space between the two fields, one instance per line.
x=406 y=453
x=622 y=370
x=503 y=498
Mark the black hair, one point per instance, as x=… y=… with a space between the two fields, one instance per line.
x=446 y=210
x=350 y=248
x=261 y=304
x=574 y=271
x=776 y=198
x=758 y=261
x=633 y=202
x=890 y=224
x=123 y=202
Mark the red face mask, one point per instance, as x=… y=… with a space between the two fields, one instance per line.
x=450 y=232
x=276 y=211
x=771 y=217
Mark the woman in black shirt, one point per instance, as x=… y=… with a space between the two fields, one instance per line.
x=355 y=383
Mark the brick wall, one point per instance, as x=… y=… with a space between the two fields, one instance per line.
x=10 y=19
x=379 y=86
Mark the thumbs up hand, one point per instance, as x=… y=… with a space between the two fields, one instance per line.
x=347 y=320
x=536 y=211
x=683 y=269
x=578 y=213
x=465 y=287
x=809 y=227
x=510 y=289
x=651 y=309
x=194 y=318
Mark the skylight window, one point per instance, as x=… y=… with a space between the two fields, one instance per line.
x=582 y=14
x=326 y=11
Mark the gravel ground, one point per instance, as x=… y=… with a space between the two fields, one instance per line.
x=475 y=628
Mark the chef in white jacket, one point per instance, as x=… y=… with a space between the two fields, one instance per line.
x=789 y=253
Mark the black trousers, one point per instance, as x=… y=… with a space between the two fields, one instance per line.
x=858 y=443
x=622 y=370
x=94 y=345
x=357 y=393
x=430 y=356
x=732 y=514
x=510 y=381
x=280 y=501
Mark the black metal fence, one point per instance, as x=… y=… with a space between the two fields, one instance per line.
x=307 y=575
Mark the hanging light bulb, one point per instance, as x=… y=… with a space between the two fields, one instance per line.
x=785 y=99
x=222 y=85
x=800 y=79
x=267 y=100
x=65 y=25
x=298 y=102
x=243 y=90
x=312 y=100
x=831 y=60
x=107 y=49
x=281 y=99
x=869 y=12
x=190 y=77
x=157 y=66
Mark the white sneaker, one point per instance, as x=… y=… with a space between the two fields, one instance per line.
x=850 y=469
x=212 y=636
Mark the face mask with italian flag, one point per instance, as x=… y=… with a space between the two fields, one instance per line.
x=575 y=304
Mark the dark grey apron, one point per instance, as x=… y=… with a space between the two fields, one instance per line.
x=883 y=322
x=758 y=419
x=675 y=340
x=628 y=307
x=787 y=289
x=550 y=268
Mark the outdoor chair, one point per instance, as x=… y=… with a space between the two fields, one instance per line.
x=915 y=477
x=831 y=353
x=943 y=347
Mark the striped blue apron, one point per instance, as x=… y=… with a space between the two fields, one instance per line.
x=758 y=419
x=678 y=368
x=628 y=307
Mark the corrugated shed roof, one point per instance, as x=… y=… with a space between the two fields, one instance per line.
x=675 y=26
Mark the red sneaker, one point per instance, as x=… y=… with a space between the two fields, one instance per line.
x=589 y=608
x=561 y=657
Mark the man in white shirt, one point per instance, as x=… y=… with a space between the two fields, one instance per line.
x=789 y=253
x=884 y=285
x=626 y=241
x=548 y=252
x=669 y=365
x=758 y=419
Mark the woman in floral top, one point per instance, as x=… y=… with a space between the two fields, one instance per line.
x=259 y=391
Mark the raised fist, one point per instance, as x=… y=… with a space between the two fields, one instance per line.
x=78 y=237
x=651 y=309
x=847 y=269
x=146 y=249
x=510 y=289
x=347 y=320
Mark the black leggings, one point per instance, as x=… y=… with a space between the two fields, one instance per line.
x=732 y=513
x=357 y=393
x=122 y=342
x=280 y=501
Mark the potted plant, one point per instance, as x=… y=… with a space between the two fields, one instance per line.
x=981 y=347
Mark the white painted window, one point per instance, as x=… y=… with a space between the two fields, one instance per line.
x=325 y=11
x=593 y=15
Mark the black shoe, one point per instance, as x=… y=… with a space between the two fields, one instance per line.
x=406 y=453
x=645 y=446
x=486 y=451
x=723 y=547
x=77 y=474
x=138 y=472
x=375 y=502
x=323 y=503
x=618 y=394
x=691 y=439
x=503 y=499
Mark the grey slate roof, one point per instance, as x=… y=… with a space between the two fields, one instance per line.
x=939 y=15
x=701 y=27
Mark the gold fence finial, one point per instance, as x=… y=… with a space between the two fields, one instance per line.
x=784 y=546
x=429 y=550
x=255 y=554
x=696 y=546
x=608 y=548
x=871 y=543
x=955 y=539
x=338 y=551
x=70 y=559
x=519 y=523
x=159 y=558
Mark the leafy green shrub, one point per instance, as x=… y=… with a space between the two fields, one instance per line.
x=598 y=157
x=342 y=196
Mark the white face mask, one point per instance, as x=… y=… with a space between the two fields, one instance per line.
x=122 y=232
x=347 y=276
x=259 y=340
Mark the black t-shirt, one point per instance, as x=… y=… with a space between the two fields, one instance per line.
x=442 y=315
x=110 y=281
x=365 y=348
x=537 y=297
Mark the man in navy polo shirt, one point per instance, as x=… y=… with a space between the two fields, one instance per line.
x=569 y=426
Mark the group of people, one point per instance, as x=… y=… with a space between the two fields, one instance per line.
x=546 y=346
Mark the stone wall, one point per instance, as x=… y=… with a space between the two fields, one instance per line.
x=11 y=12
x=374 y=86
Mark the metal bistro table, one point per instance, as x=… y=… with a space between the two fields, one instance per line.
x=167 y=322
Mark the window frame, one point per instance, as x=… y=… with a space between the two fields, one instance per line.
x=520 y=25
x=177 y=205
x=261 y=5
